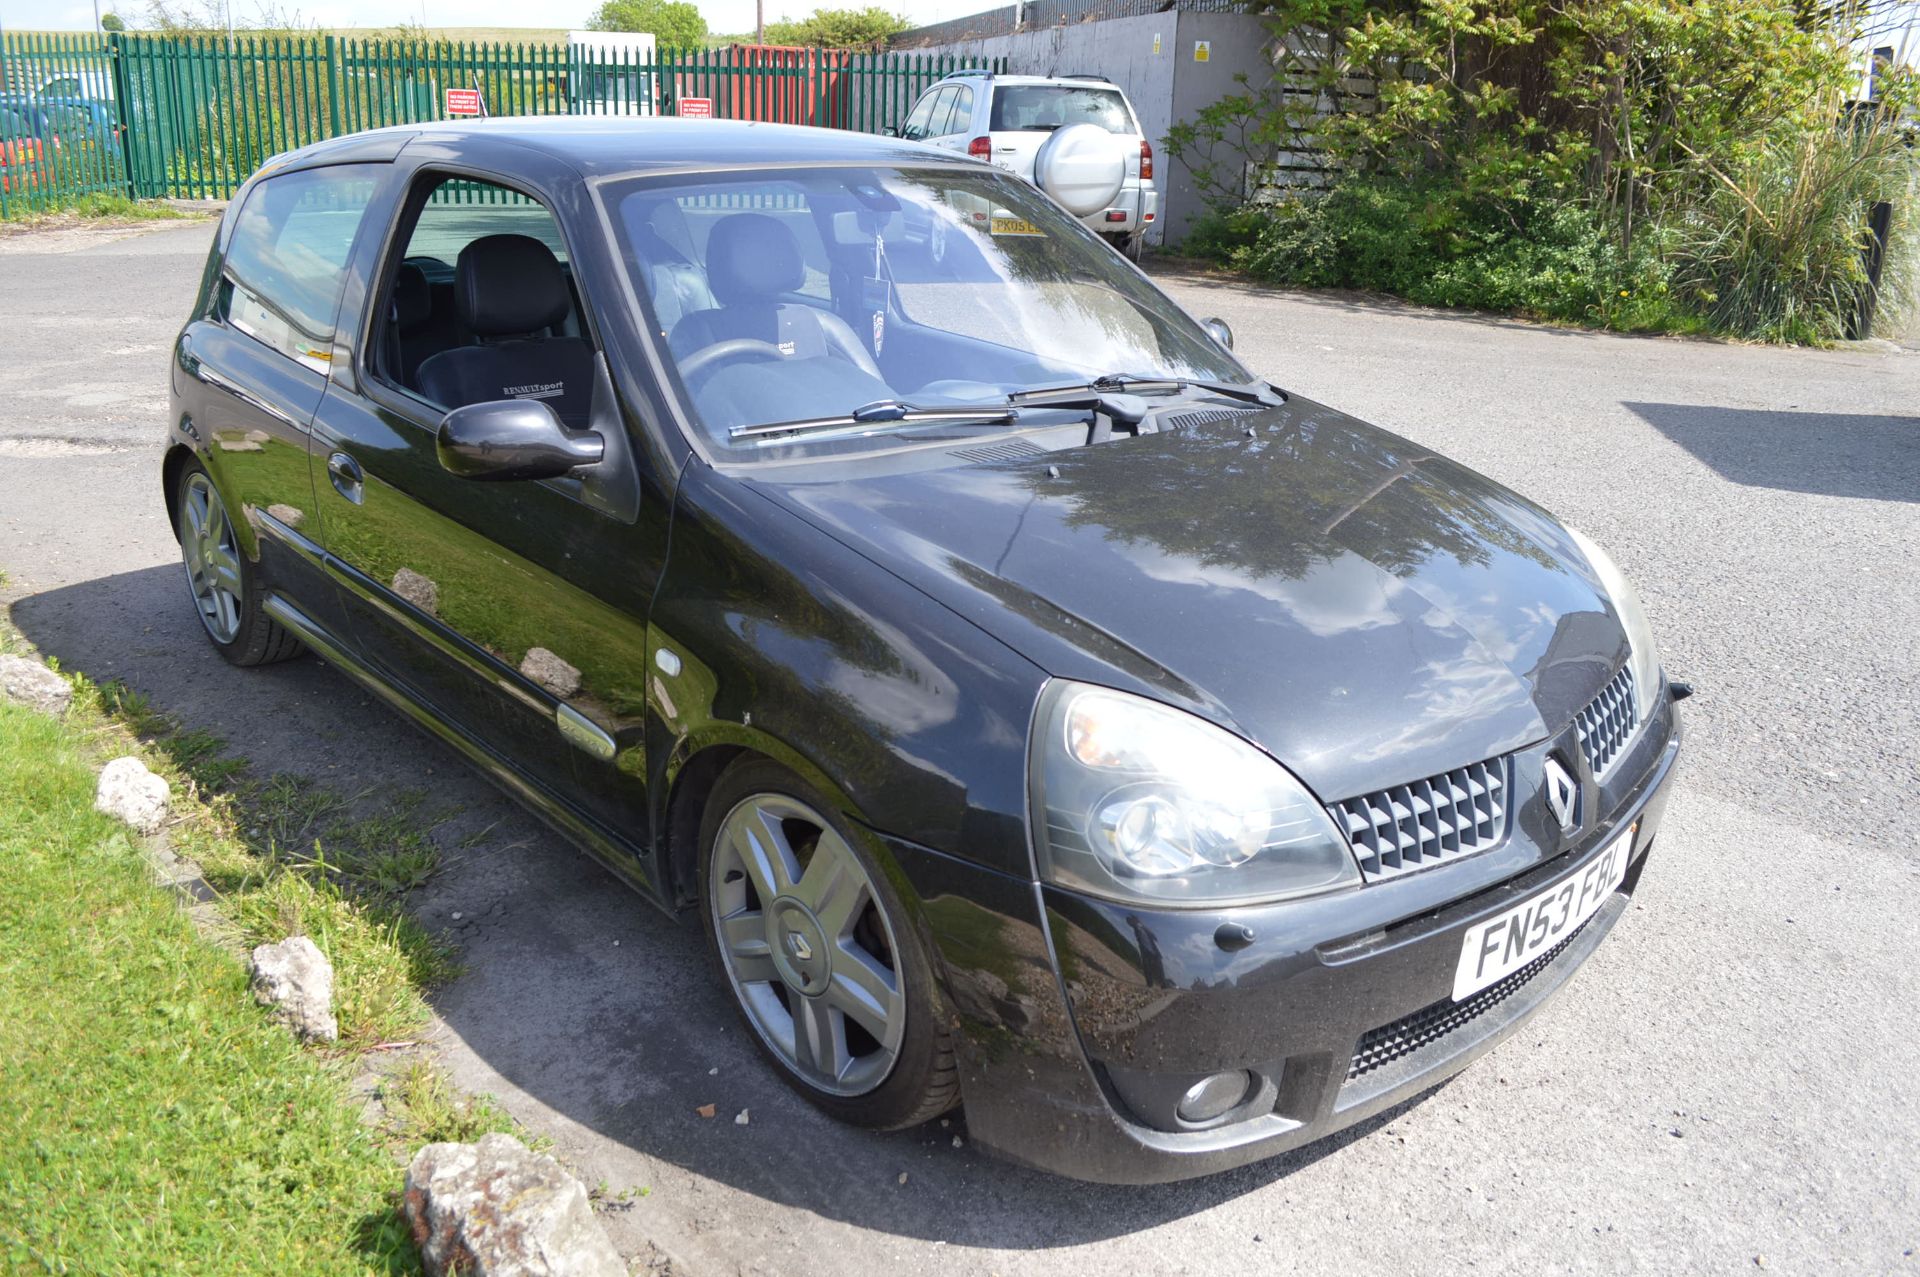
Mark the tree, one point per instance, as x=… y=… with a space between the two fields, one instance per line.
x=111 y=21
x=674 y=24
x=838 y=28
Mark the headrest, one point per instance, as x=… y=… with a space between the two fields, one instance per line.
x=509 y=284
x=412 y=297
x=751 y=256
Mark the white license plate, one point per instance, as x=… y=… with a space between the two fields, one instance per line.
x=1503 y=944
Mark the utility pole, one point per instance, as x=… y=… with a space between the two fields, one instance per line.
x=759 y=21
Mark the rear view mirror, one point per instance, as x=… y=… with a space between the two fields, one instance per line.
x=1218 y=330
x=513 y=439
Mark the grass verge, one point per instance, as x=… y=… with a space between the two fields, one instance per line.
x=108 y=209
x=155 y=1119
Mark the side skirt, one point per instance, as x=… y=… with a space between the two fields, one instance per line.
x=549 y=807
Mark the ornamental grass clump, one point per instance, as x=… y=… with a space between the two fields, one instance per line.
x=1778 y=248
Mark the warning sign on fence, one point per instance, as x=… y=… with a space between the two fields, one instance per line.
x=697 y=108
x=463 y=101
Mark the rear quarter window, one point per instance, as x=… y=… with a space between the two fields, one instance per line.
x=287 y=258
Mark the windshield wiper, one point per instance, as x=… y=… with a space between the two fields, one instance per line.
x=1123 y=383
x=883 y=413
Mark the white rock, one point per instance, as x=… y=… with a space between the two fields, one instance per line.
x=741 y=1120
x=129 y=792
x=417 y=590
x=32 y=684
x=552 y=673
x=494 y=1209
x=296 y=980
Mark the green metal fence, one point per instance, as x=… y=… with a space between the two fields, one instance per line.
x=60 y=135
x=192 y=116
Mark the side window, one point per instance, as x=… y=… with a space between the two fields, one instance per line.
x=916 y=126
x=482 y=304
x=942 y=112
x=287 y=259
x=962 y=117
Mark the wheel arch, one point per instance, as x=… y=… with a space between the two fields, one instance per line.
x=176 y=460
x=695 y=765
x=178 y=455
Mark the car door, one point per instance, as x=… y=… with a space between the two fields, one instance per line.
x=252 y=367
x=515 y=612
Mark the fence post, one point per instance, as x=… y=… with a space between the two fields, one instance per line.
x=117 y=67
x=1879 y=231
x=333 y=88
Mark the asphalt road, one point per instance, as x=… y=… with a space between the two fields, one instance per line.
x=1730 y=1083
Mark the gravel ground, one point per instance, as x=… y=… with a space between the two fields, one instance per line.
x=1726 y=1086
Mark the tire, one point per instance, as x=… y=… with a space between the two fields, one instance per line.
x=221 y=583
x=847 y=1012
x=1136 y=247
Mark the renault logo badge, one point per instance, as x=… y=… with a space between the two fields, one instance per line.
x=1563 y=795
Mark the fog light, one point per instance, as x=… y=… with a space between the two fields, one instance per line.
x=1210 y=1097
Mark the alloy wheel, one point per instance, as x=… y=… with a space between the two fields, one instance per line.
x=807 y=948
x=212 y=557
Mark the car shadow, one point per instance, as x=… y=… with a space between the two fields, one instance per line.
x=589 y=1003
x=1822 y=453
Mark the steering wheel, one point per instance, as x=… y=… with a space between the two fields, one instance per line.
x=731 y=348
x=848 y=346
x=839 y=337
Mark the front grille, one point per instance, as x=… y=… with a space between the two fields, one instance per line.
x=1382 y=1046
x=1606 y=725
x=1395 y=831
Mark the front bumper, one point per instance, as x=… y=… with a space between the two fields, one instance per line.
x=1081 y=1022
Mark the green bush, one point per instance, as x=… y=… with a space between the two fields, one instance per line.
x=1554 y=259
x=1652 y=164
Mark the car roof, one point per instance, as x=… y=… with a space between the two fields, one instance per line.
x=606 y=145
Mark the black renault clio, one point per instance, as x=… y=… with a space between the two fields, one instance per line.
x=838 y=540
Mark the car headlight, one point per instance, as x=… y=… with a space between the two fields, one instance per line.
x=1644 y=657
x=1137 y=801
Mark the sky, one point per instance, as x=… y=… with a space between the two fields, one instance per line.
x=721 y=15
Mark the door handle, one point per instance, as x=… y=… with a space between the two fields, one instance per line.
x=346 y=476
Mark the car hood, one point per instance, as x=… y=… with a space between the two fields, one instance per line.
x=1365 y=611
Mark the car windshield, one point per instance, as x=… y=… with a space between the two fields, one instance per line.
x=1054 y=106
x=807 y=294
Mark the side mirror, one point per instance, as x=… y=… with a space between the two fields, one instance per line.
x=513 y=439
x=1218 y=330
x=890 y=131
